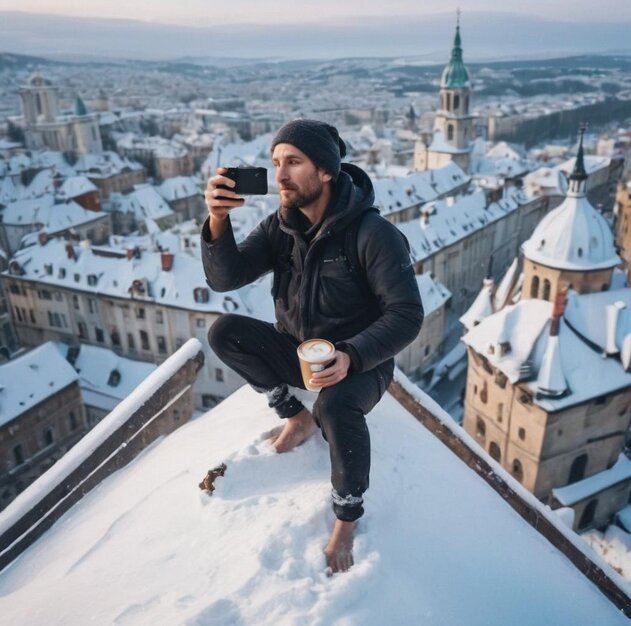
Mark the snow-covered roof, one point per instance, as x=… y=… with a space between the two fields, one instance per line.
x=114 y=275
x=583 y=489
x=254 y=153
x=574 y=236
x=104 y=377
x=179 y=187
x=440 y=144
x=592 y=163
x=397 y=193
x=525 y=327
x=481 y=307
x=104 y=164
x=252 y=552
x=32 y=378
x=447 y=221
x=75 y=186
x=433 y=293
x=144 y=202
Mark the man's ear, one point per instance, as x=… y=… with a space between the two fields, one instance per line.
x=325 y=177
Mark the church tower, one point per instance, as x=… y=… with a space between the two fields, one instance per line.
x=572 y=247
x=453 y=124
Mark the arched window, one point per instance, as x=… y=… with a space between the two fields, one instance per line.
x=466 y=104
x=448 y=97
x=517 y=470
x=456 y=101
x=577 y=471
x=534 y=287
x=588 y=514
x=494 y=451
x=480 y=428
x=450 y=132
x=546 y=289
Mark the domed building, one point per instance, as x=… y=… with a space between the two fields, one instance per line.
x=453 y=124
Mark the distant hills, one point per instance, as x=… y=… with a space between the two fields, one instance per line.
x=486 y=36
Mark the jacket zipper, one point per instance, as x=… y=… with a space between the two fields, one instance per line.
x=310 y=288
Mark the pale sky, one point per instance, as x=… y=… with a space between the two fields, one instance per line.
x=209 y=12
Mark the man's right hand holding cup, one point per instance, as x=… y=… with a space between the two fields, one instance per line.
x=220 y=201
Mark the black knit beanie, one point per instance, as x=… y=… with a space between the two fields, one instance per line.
x=319 y=141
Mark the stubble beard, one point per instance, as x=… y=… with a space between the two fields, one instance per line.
x=301 y=198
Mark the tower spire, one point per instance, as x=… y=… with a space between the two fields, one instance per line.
x=579 y=174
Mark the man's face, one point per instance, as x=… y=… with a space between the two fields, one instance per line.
x=300 y=182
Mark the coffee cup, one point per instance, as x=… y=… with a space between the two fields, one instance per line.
x=314 y=355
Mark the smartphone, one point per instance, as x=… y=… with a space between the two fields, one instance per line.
x=250 y=181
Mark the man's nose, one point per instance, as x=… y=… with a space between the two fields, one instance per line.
x=281 y=173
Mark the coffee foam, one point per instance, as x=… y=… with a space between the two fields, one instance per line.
x=316 y=351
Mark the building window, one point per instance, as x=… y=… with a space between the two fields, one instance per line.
x=98 y=333
x=484 y=393
x=494 y=451
x=577 y=471
x=521 y=433
x=480 y=428
x=18 y=454
x=162 y=344
x=92 y=305
x=219 y=375
x=500 y=411
x=448 y=96
x=500 y=379
x=200 y=322
x=209 y=401
x=115 y=337
x=450 y=132
x=456 y=101
x=159 y=317
x=131 y=344
x=546 y=289
x=18 y=314
x=144 y=340
x=83 y=331
x=517 y=470
x=32 y=316
x=588 y=514
x=92 y=280
x=72 y=420
x=49 y=437
x=75 y=302
x=140 y=313
x=201 y=295
x=114 y=378
x=534 y=287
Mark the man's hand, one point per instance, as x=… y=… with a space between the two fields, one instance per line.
x=338 y=370
x=220 y=202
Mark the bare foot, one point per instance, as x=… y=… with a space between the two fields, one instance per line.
x=339 y=550
x=296 y=430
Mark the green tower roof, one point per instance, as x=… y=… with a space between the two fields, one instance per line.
x=455 y=75
x=79 y=107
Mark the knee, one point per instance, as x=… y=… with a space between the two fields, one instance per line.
x=334 y=407
x=222 y=331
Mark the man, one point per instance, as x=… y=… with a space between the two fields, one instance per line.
x=369 y=312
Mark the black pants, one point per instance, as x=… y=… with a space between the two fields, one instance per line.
x=267 y=359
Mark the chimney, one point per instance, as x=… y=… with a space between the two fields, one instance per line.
x=70 y=251
x=42 y=237
x=613 y=312
x=166 y=259
x=557 y=311
x=130 y=254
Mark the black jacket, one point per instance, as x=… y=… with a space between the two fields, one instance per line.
x=315 y=293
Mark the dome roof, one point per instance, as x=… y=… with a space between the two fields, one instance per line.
x=574 y=236
x=37 y=80
x=455 y=74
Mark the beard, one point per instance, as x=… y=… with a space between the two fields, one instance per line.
x=301 y=196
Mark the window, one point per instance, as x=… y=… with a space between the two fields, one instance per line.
x=131 y=344
x=72 y=420
x=448 y=101
x=500 y=380
x=49 y=437
x=162 y=344
x=31 y=315
x=201 y=294
x=140 y=313
x=534 y=287
x=200 y=322
x=500 y=411
x=495 y=452
x=83 y=331
x=588 y=514
x=450 y=132
x=144 y=340
x=577 y=471
x=115 y=337
x=517 y=470
x=114 y=378
x=208 y=401
x=546 y=289
x=98 y=332
x=456 y=101
x=62 y=272
x=92 y=305
x=75 y=302
x=18 y=314
x=18 y=454
x=219 y=375
x=521 y=433
x=159 y=317
x=480 y=428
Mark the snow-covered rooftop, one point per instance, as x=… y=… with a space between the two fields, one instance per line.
x=32 y=378
x=179 y=187
x=75 y=186
x=144 y=202
x=147 y=547
x=433 y=293
x=590 y=486
x=104 y=377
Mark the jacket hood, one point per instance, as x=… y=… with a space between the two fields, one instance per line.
x=353 y=194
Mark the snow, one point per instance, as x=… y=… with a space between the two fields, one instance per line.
x=76 y=186
x=583 y=489
x=481 y=307
x=47 y=373
x=179 y=187
x=440 y=144
x=95 y=365
x=434 y=294
x=144 y=202
x=251 y=553
x=109 y=424
x=614 y=546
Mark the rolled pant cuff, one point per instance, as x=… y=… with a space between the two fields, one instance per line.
x=284 y=403
x=348 y=508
